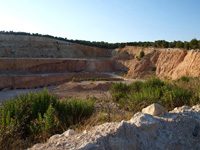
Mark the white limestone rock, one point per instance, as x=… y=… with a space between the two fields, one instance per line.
x=68 y=132
x=154 y=110
x=85 y=131
x=144 y=121
x=54 y=137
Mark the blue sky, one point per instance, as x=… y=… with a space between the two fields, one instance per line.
x=104 y=20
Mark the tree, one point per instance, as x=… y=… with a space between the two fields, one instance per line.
x=194 y=43
x=179 y=44
x=186 y=45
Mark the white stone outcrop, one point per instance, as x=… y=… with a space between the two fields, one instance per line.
x=178 y=129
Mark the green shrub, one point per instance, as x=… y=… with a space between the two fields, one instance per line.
x=139 y=94
x=154 y=69
x=117 y=96
x=136 y=86
x=119 y=87
x=185 y=79
x=138 y=58
x=154 y=82
x=142 y=54
x=40 y=114
x=74 y=79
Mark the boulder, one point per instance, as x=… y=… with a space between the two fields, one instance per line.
x=154 y=110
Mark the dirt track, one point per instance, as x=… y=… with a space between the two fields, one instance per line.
x=9 y=94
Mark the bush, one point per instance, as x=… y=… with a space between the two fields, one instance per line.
x=119 y=87
x=154 y=69
x=35 y=115
x=138 y=59
x=154 y=82
x=142 y=54
x=185 y=79
x=74 y=79
x=139 y=94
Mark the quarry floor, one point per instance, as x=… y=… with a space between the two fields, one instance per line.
x=80 y=89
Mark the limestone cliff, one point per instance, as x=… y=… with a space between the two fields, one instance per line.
x=43 y=47
x=169 y=63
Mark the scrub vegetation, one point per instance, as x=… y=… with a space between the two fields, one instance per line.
x=35 y=117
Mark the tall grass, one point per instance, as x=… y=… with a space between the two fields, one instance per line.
x=138 y=94
x=34 y=117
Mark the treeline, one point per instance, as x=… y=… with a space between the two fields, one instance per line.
x=193 y=44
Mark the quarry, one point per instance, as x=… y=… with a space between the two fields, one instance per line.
x=30 y=63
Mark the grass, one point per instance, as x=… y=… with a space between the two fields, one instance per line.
x=138 y=95
x=35 y=117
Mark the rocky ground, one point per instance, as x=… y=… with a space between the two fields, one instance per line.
x=153 y=128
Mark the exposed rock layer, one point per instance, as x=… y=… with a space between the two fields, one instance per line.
x=33 y=81
x=49 y=65
x=42 y=47
x=169 y=63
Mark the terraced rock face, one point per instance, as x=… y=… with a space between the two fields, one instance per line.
x=30 y=54
x=42 y=47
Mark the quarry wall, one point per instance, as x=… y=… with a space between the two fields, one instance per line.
x=42 y=47
x=49 y=65
x=43 y=80
x=169 y=63
x=24 y=54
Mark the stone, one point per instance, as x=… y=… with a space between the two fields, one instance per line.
x=85 y=131
x=54 y=137
x=88 y=146
x=68 y=132
x=154 y=110
x=144 y=121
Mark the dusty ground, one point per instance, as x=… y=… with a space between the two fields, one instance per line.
x=9 y=94
x=86 y=89
x=83 y=89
